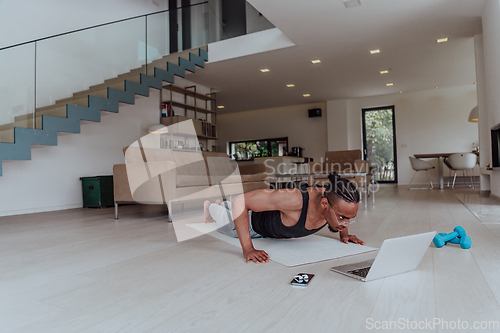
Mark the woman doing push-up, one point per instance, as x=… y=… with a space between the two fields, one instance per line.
x=287 y=213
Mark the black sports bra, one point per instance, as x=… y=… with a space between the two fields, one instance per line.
x=269 y=224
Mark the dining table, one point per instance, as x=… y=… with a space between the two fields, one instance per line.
x=440 y=157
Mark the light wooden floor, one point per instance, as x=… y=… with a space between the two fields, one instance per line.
x=80 y=270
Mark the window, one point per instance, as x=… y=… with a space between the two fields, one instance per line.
x=249 y=149
x=379 y=136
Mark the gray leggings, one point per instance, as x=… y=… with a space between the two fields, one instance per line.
x=223 y=216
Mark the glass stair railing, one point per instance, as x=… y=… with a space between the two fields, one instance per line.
x=38 y=78
x=49 y=85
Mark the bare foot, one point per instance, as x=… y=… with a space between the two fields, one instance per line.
x=218 y=202
x=206 y=213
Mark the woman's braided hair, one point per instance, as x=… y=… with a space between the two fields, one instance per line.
x=342 y=188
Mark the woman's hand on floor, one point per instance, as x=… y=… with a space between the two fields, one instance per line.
x=351 y=238
x=257 y=256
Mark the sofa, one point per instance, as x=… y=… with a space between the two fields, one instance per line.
x=166 y=176
x=341 y=161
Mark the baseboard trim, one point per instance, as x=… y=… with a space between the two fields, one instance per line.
x=496 y=197
x=39 y=209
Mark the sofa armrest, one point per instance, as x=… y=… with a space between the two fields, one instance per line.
x=121 y=186
x=145 y=183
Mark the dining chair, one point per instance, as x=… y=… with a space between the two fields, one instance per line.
x=450 y=168
x=419 y=165
x=463 y=162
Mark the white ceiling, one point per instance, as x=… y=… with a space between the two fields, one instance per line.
x=404 y=30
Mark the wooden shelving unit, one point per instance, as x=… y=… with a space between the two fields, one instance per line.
x=200 y=109
x=188 y=107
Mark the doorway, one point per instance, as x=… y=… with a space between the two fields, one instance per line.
x=379 y=143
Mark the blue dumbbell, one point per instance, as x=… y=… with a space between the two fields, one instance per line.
x=466 y=244
x=458 y=236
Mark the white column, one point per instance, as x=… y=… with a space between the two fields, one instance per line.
x=491 y=48
x=484 y=130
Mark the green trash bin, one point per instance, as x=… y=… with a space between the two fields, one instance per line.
x=97 y=191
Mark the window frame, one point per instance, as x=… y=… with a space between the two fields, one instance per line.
x=269 y=140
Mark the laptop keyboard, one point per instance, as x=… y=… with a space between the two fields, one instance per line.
x=363 y=272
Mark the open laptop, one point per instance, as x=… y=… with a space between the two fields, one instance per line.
x=396 y=256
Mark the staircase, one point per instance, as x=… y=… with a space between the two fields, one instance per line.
x=65 y=114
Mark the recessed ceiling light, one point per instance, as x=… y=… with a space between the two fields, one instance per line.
x=384 y=71
x=442 y=40
x=317 y=61
x=306 y=95
x=220 y=106
x=290 y=85
x=475 y=82
x=264 y=70
x=437 y=87
x=400 y=91
x=390 y=84
x=375 y=51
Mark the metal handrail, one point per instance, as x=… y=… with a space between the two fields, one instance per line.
x=101 y=25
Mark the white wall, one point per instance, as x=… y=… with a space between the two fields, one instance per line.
x=337 y=124
x=491 y=40
x=491 y=49
x=431 y=121
x=483 y=124
x=50 y=181
x=290 y=121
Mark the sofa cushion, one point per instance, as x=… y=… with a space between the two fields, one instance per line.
x=251 y=186
x=253 y=177
x=190 y=168
x=214 y=192
x=157 y=176
x=206 y=192
x=191 y=180
x=221 y=169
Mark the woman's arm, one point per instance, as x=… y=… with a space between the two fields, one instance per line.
x=345 y=237
x=258 y=201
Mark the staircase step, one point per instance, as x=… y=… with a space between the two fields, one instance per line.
x=133 y=72
x=25 y=121
x=48 y=108
x=52 y=110
x=98 y=87
x=134 y=76
x=103 y=92
x=82 y=101
x=6 y=126
x=7 y=135
x=7 y=130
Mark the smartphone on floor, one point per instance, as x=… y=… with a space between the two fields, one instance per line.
x=302 y=279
